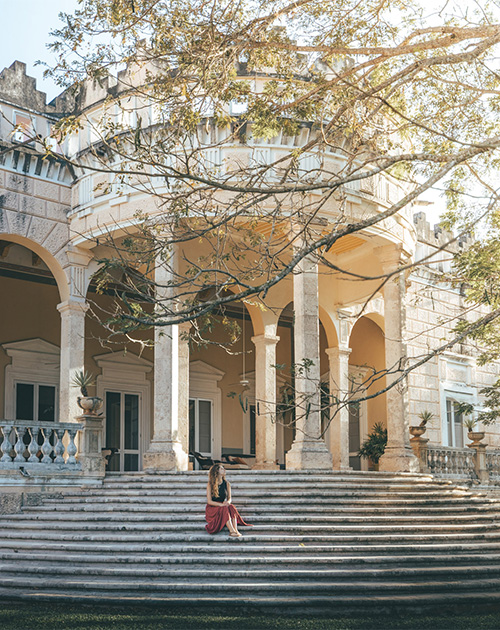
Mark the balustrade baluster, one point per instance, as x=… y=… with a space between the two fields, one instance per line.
x=20 y=446
x=46 y=446
x=71 y=449
x=6 y=444
x=33 y=447
x=58 y=448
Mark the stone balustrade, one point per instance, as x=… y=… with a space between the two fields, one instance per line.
x=71 y=449
x=452 y=463
x=471 y=463
x=37 y=443
x=493 y=465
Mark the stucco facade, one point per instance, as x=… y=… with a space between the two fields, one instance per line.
x=162 y=402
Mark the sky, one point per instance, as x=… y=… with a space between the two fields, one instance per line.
x=27 y=42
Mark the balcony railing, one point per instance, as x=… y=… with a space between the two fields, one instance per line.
x=453 y=463
x=474 y=463
x=44 y=449
x=36 y=443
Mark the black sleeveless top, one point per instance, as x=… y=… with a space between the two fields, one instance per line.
x=222 y=493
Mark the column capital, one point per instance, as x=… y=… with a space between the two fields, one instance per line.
x=391 y=256
x=78 y=256
x=335 y=353
x=75 y=306
x=268 y=340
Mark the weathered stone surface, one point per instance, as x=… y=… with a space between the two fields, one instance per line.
x=65 y=195
x=11 y=502
x=32 y=205
x=9 y=200
x=19 y=223
x=47 y=190
x=19 y=183
x=39 y=229
x=56 y=211
x=17 y=87
x=57 y=238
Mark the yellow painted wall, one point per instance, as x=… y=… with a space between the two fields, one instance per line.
x=367 y=344
x=28 y=311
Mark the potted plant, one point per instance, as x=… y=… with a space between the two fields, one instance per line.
x=470 y=424
x=418 y=430
x=89 y=404
x=374 y=446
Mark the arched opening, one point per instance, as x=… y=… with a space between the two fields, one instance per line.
x=285 y=360
x=366 y=368
x=30 y=335
x=123 y=364
x=222 y=409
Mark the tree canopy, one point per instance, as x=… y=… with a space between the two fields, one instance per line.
x=357 y=95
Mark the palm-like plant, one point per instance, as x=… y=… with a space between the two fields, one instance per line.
x=83 y=379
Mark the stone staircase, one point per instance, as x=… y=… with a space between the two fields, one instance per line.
x=321 y=542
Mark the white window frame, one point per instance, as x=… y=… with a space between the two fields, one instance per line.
x=126 y=373
x=203 y=384
x=458 y=391
x=197 y=425
x=36 y=387
x=34 y=361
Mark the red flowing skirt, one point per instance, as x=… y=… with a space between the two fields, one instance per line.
x=217 y=517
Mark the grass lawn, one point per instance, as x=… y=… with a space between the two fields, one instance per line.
x=70 y=616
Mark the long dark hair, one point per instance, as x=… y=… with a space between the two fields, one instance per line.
x=213 y=475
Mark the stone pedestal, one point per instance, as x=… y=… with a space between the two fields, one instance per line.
x=419 y=447
x=90 y=445
x=398 y=456
x=265 y=402
x=72 y=355
x=337 y=435
x=480 y=462
x=308 y=450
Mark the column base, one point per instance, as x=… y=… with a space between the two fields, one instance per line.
x=165 y=456
x=309 y=456
x=396 y=459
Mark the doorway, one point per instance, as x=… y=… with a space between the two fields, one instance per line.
x=123 y=430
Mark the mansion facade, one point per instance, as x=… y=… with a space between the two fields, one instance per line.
x=165 y=401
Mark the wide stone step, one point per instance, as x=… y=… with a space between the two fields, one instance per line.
x=263 y=509
x=226 y=545
x=278 y=500
x=198 y=516
x=289 y=484
x=266 y=561
x=320 y=571
x=297 y=527
x=368 y=538
x=355 y=603
x=248 y=587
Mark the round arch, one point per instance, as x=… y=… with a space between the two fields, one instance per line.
x=329 y=328
x=48 y=258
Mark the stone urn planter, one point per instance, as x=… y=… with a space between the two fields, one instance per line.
x=475 y=437
x=417 y=432
x=89 y=404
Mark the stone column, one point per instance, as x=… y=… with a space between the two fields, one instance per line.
x=308 y=450
x=72 y=355
x=337 y=435
x=398 y=454
x=165 y=450
x=184 y=385
x=265 y=399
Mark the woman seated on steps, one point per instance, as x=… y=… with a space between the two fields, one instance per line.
x=219 y=510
